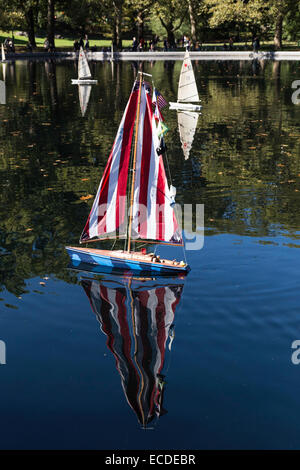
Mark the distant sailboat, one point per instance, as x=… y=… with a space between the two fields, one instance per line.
x=151 y=213
x=3 y=58
x=187 y=88
x=137 y=317
x=112 y=53
x=84 y=96
x=84 y=73
x=187 y=123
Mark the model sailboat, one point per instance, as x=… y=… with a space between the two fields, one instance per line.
x=187 y=123
x=137 y=317
x=187 y=88
x=84 y=73
x=151 y=210
x=3 y=58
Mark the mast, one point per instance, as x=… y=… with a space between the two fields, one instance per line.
x=134 y=163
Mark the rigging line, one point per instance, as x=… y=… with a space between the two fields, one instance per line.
x=113 y=245
x=129 y=182
x=175 y=210
x=134 y=163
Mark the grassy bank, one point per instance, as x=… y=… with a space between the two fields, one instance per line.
x=67 y=43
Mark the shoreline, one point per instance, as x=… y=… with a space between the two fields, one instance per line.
x=161 y=55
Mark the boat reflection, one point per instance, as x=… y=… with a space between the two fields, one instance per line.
x=187 y=123
x=3 y=86
x=137 y=317
x=84 y=92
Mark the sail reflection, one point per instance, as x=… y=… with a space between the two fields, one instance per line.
x=137 y=316
x=187 y=123
x=3 y=86
x=84 y=97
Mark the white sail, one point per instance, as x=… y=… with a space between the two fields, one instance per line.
x=112 y=52
x=187 y=123
x=187 y=88
x=83 y=66
x=2 y=53
x=84 y=96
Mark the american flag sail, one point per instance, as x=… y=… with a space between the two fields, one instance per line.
x=153 y=214
x=108 y=213
x=138 y=323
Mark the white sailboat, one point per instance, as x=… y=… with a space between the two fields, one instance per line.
x=187 y=123
x=3 y=58
x=84 y=73
x=84 y=96
x=187 y=88
x=112 y=53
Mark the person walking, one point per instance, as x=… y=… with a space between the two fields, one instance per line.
x=87 y=44
x=134 y=44
x=256 y=44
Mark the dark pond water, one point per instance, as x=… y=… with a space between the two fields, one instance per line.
x=79 y=373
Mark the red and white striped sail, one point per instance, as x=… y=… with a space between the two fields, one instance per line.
x=153 y=213
x=108 y=214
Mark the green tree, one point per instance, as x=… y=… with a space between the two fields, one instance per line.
x=253 y=15
x=141 y=11
x=19 y=14
x=171 y=14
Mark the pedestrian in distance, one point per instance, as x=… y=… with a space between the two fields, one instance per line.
x=256 y=44
x=87 y=44
x=134 y=44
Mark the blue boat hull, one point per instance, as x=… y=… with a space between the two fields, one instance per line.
x=79 y=256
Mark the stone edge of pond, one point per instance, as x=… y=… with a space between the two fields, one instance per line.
x=161 y=55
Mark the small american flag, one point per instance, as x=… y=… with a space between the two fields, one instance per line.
x=160 y=99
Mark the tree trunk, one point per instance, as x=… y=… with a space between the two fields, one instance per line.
x=50 y=22
x=192 y=21
x=30 y=26
x=278 y=31
x=118 y=23
x=140 y=25
x=171 y=37
x=170 y=31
